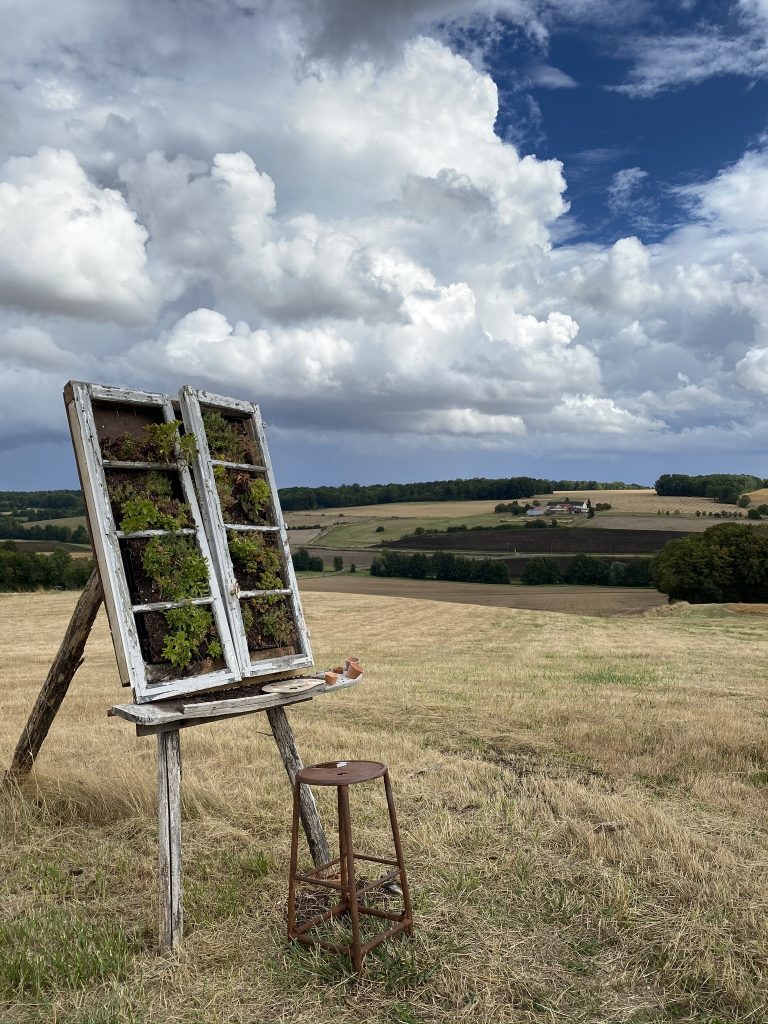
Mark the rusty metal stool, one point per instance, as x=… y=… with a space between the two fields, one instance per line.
x=342 y=775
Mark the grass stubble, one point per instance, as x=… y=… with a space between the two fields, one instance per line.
x=582 y=803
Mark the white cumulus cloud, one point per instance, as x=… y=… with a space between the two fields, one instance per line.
x=68 y=246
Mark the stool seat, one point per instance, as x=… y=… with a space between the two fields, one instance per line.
x=341 y=773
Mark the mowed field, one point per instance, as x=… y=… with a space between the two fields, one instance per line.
x=45 y=547
x=71 y=521
x=403 y=510
x=644 y=502
x=583 y=807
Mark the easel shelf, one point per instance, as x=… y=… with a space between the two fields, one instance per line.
x=174 y=714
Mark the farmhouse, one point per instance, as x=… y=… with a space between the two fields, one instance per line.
x=565 y=507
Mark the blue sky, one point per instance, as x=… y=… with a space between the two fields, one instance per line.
x=431 y=238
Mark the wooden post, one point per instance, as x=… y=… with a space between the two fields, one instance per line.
x=169 y=839
x=67 y=661
x=310 y=817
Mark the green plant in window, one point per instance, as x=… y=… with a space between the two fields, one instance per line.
x=256 y=499
x=226 y=441
x=225 y=489
x=128 y=448
x=144 y=514
x=157 y=484
x=191 y=633
x=162 y=440
x=267 y=621
x=276 y=625
x=157 y=443
x=147 y=503
x=270 y=581
x=177 y=567
x=253 y=557
x=247 y=612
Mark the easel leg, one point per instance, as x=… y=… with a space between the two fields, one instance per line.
x=54 y=689
x=169 y=838
x=310 y=817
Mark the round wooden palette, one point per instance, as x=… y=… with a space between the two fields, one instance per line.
x=292 y=686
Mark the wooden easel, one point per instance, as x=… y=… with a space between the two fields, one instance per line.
x=165 y=719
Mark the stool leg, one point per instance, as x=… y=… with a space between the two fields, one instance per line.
x=345 y=828
x=342 y=845
x=408 y=915
x=294 y=860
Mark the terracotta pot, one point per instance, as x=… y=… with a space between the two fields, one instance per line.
x=350 y=661
x=331 y=678
x=354 y=671
x=338 y=669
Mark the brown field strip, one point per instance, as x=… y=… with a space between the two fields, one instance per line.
x=565 y=599
x=542 y=541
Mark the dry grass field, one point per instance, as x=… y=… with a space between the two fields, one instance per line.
x=402 y=509
x=583 y=803
x=759 y=497
x=644 y=502
x=71 y=521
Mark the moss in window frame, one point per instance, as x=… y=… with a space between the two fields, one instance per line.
x=255 y=501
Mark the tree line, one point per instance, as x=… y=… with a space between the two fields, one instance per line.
x=586 y=570
x=14 y=529
x=22 y=570
x=443 y=565
x=294 y=499
x=42 y=504
x=726 y=487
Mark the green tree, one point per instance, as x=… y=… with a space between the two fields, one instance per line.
x=301 y=560
x=725 y=563
x=541 y=570
x=586 y=570
x=338 y=563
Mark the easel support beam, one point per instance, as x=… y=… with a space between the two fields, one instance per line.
x=310 y=816
x=67 y=661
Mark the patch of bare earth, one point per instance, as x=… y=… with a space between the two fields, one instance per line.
x=570 y=600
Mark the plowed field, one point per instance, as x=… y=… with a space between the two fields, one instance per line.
x=547 y=541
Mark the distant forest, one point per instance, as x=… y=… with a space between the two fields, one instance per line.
x=727 y=487
x=18 y=508
x=31 y=505
x=295 y=499
x=24 y=570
